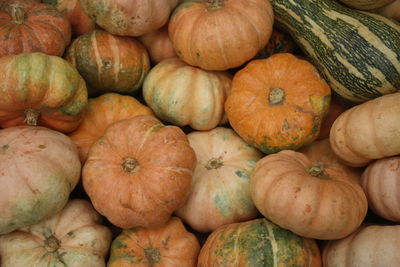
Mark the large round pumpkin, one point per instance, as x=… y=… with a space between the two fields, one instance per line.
x=139 y=172
x=109 y=63
x=129 y=17
x=278 y=103
x=72 y=237
x=257 y=243
x=220 y=34
x=30 y=26
x=186 y=95
x=167 y=245
x=220 y=192
x=309 y=199
x=39 y=169
x=38 y=89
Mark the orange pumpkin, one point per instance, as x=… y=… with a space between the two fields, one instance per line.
x=139 y=172
x=335 y=109
x=278 y=103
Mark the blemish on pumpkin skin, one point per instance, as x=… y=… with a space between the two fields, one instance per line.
x=307 y=209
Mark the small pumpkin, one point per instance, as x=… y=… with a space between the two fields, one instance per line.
x=224 y=34
x=187 y=95
x=39 y=89
x=139 y=172
x=102 y=111
x=368 y=131
x=257 y=242
x=335 y=109
x=391 y=10
x=278 y=103
x=30 y=26
x=366 y=4
x=220 y=192
x=168 y=245
x=39 y=169
x=109 y=63
x=72 y=237
x=279 y=42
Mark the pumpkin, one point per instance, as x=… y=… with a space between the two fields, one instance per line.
x=369 y=246
x=139 y=172
x=224 y=34
x=186 y=95
x=38 y=89
x=309 y=199
x=108 y=62
x=279 y=42
x=368 y=131
x=257 y=242
x=129 y=17
x=158 y=45
x=72 y=237
x=220 y=192
x=40 y=168
x=335 y=109
x=102 y=111
x=80 y=22
x=391 y=11
x=29 y=26
x=168 y=245
x=381 y=183
x=278 y=103
x=366 y=4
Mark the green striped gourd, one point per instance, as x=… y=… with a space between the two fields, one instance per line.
x=357 y=52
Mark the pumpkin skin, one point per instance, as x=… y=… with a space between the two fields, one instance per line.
x=369 y=246
x=366 y=4
x=223 y=34
x=278 y=103
x=140 y=180
x=127 y=17
x=40 y=168
x=29 y=26
x=102 y=111
x=381 y=183
x=368 y=131
x=279 y=42
x=390 y=11
x=221 y=187
x=108 y=62
x=309 y=199
x=257 y=242
x=335 y=109
x=38 y=89
x=72 y=237
x=168 y=245
x=186 y=95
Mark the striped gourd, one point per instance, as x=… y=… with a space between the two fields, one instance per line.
x=357 y=52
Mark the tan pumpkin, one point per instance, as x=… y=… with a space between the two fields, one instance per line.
x=168 y=245
x=72 y=237
x=102 y=111
x=187 y=95
x=381 y=184
x=224 y=34
x=309 y=199
x=220 y=192
x=368 y=131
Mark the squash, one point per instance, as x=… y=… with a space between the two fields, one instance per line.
x=102 y=111
x=72 y=237
x=390 y=11
x=129 y=17
x=38 y=89
x=109 y=63
x=186 y=95
x=39 y=169
x=220 y=192
x=257 y=242
x=224 y=34
x=368 y=131
x=366 y=4
x=357 y=52
x=309 y=199
x=381 y=183
x=168 y=245
x=279 y=42
x=139 y=172
x=335 y=109
x=278 y=103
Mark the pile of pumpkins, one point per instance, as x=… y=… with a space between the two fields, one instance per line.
x=199 y=133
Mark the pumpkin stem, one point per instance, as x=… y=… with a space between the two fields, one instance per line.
x=52 y=243
x=276 y=96
x=214 y=163
x=130 y=165
x=152 y=255
x=17 y=14
x=318 y=171
x=31 y=116
x=215 y=4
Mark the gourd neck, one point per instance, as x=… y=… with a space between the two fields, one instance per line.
x=17 y=14
x=276 y=96
x=31 y=116
x=215 y=4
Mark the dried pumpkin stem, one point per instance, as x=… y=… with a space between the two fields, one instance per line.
x=215 y=4
x=318 y=171
x=17 y=14
x=152 y=255
x=31 y=116
x=52 y=244
x=214 y=163
x=276 y=96
x=130 y=165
